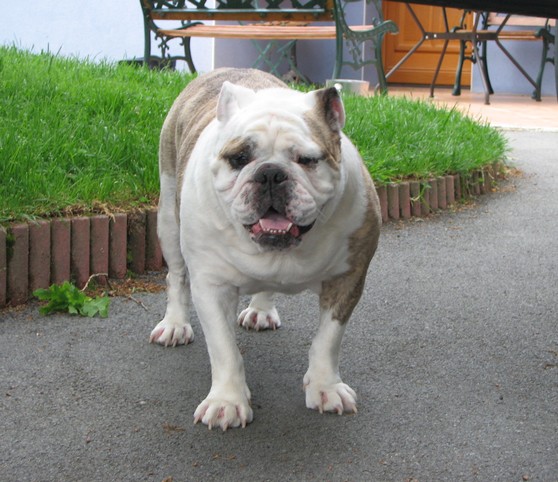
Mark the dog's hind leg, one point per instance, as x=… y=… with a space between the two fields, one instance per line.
x=174 y=329
x=261 y=313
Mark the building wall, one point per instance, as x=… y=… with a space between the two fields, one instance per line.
x=113 y=30
x=94 y=29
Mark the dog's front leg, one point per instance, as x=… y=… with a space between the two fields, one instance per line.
x=325 y=391
x=228 y=402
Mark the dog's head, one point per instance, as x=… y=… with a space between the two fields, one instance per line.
x=277 y=162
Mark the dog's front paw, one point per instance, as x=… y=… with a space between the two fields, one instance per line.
x=169 y=332
x=332 y=397
x=257 y=319
x=224 y=412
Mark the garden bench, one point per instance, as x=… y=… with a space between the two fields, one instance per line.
x=496 y=27
x=268 y=20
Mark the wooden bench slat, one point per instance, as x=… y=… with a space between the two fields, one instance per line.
x=260 y=32
x=513 y=34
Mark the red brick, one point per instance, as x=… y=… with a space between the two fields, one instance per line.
x=433 y=194
x=382 y=195
x=488 y=178
x=450 y=190
x=60 y=243
x=118 y=227
x=414 y=187
x=405 y=200
x=153 y=253
x=99 y=261
x=136 y=242
x=458 y=188
x=475 y=184
x=482 y=182
x=18 y=264
x=39 y=255
x=3 y=268
x=442 y=199
x=393 y=201
x=80 y=251
x=425 y=201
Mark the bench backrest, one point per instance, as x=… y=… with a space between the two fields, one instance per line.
x=496 y=19
x=244 y=10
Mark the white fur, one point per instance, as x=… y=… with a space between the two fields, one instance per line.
x=325 y=391
x=261 y=314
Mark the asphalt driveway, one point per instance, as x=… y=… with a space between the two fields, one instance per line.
x=453 y=352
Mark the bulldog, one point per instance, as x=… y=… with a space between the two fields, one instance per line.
x=261 y=192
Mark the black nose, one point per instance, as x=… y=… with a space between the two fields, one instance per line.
x=270 y=175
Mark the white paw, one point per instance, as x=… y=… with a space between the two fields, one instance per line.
x=334 y=397
x=224 y=412
x=256 y=319
x=172 y=333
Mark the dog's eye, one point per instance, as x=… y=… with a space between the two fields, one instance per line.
x=307 y=160
x=239 y=160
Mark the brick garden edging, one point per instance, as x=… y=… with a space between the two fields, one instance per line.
x=37 y=254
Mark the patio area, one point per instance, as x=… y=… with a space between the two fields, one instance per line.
x=505 y=110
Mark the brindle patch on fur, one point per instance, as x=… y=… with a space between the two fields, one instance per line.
x=342 y=293
x=239 y=147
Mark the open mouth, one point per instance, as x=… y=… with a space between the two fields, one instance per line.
x=276 y=230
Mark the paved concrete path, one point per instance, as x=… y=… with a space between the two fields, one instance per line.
x=453 y=352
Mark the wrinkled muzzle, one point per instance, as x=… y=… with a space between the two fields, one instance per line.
x=272 y=197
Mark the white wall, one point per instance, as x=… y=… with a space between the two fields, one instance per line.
x=94 y=29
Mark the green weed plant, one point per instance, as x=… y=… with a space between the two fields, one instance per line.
x=67 y=298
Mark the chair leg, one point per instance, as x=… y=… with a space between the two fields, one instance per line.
x=555 y=58
x=484 y=73
x=458 y=73
x=537 y=92
x=483 y=64
x=438 y=67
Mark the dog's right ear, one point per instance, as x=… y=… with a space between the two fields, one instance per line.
x=231 y=99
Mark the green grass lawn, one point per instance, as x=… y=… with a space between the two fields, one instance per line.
x=75 y=135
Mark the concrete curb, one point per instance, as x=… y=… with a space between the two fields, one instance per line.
x=38 y=254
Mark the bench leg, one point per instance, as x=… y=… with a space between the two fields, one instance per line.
x=274 y=53
x=537 y=92
x=188 y=54
x=382 y=81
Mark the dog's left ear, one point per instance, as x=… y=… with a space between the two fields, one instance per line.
x=231 y=99
x=330 y=106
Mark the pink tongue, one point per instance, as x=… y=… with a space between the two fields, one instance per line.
x=275 y=222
